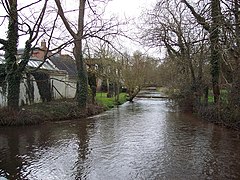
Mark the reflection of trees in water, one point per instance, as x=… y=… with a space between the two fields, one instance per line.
x=16 y=143
x=10 y=161
x=222 y=159
x=210 y=165
x=207 y=147
x=187 y=145
x=133 y=107
x=21 y=146
x=82 y=133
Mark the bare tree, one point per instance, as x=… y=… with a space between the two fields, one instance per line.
x=95 y=27
x=214 y=34
x=82 y=85
x=134 y=73
x=169 y=25
x=14 y=69
x=200 y=36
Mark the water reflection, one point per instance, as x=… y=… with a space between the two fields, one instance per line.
x=44 y=152
x=140 y=140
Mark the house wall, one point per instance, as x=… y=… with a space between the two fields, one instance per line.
x=64 y=87
x=23 y=99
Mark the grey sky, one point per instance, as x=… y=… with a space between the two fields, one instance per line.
x=122 y=8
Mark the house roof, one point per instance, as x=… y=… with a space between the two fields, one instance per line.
x=54 y=63
x=48 y=65
x=34 y=63
x=65 y=62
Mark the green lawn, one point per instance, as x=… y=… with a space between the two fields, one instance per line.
x=102 y=99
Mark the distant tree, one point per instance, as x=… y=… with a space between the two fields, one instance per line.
x=134 y=73
x=109 y=68
x=169 y=26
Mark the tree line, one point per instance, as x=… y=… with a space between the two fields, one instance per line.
x=51 y=20
x=201 y=41
x=78 y=28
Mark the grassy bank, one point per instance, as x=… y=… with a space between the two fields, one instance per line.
x=55 y=111
x=108 y=103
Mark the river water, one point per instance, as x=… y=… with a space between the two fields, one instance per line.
x=142 y=140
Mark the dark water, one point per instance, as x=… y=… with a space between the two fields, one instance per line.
x=143 y=140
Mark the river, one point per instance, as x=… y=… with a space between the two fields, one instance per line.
x=146 y=139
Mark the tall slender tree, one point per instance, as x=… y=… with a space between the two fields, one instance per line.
x=213 y=29
x=82 y=85
x=94 y=26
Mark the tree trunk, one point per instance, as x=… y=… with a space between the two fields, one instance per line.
x=206 y=96
x=235 y=92
x=82 y=88
x=215 y=48
x=117 y=92
x=92 y=81
x=133 y=93
x=13 y=75
x=13 y=91
x=82 y=80
x=108 y=87
x=214 y=32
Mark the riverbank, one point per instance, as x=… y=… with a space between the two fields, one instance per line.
x=223 y=115
x=56 y=110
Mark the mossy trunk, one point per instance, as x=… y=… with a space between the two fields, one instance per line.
x=82 y=78
x=12 y=71
x=214 y=32
x=13 y=91
x=235 y=91
x=215 y=48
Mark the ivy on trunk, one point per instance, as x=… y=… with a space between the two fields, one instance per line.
x=13 y=75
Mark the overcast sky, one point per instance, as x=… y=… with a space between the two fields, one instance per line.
x=130 y=8
x=122 y=8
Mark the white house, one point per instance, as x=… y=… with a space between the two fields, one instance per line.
x=31 y=87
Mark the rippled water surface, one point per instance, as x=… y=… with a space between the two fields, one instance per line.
x=142 y=140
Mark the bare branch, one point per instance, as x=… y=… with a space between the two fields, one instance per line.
x=27 y=6
x=201 y=20
x=64 y=19
x=39 y=21
x=3 y=42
